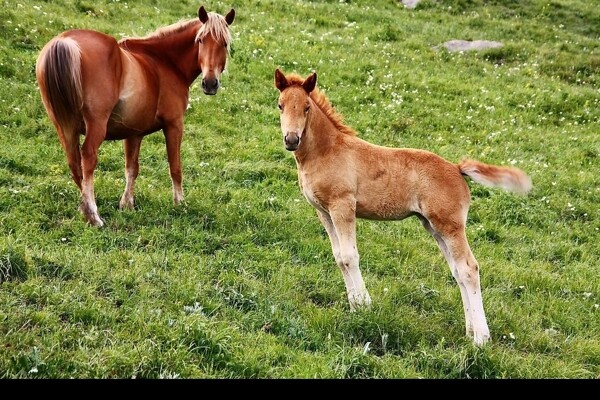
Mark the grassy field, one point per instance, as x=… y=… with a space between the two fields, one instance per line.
x=240 y=281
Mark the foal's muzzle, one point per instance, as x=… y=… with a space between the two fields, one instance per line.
x=291 y=141
x=210 y=86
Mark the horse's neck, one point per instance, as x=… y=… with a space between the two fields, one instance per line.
x=178 y=51
x=321 y=135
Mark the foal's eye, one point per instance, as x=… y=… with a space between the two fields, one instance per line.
x=306 y=109
x=280 y=107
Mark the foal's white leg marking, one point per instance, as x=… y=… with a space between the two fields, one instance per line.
x=467 y=270
x=345 y=228
x=335 y=247
x=481 y=332
x=330 y=229
x=463 y=290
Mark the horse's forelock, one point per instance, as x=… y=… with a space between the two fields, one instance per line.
x=217 y=27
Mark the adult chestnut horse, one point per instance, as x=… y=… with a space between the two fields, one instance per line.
x=93 y=85
x=344 y=177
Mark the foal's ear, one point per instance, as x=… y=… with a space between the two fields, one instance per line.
x=202 y=14
x=280 y=80
x=310 y=83
x=230 y=17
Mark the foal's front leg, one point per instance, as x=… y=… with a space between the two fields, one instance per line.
x=173 y=134
x=343 y=217
x=131 y=147
x=335 y=247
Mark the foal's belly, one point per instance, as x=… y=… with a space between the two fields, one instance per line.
x=383 y=210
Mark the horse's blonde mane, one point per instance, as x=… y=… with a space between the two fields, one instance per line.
x=216 y=26
x=324 y=105
x=165 y=30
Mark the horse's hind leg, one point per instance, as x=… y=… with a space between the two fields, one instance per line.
x=131 y=148
x=70 y=145
x=95 y=133
x=343 y=218
x=173 y=135
x=454 y=270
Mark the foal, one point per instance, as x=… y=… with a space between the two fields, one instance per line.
x=345 y=177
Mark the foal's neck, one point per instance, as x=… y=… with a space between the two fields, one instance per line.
x=320 y=137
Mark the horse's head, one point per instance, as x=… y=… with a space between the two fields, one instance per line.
x=294 y=105
x=214 y=38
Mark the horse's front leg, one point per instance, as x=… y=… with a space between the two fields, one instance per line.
x=131 y=147
x=173 y=134
x=343 y=217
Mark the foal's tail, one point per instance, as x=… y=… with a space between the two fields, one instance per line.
x=58 y=71
x=508 y=178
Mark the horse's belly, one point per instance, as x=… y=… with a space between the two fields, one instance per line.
x=129 y=118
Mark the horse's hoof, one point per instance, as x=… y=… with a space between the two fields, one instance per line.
x=126 y=205
x=98 y=223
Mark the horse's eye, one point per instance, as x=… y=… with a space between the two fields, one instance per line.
x=280 y=107
x=306 y=109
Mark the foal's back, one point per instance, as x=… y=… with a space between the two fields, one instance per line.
x=393 y=183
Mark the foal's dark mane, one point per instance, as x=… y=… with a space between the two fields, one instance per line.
x=324 y=105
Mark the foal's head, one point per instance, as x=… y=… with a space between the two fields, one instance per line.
x=294 y=105
x=214 y=38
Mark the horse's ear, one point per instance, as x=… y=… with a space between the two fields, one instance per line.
x=230 y=17
x=280 y=80
x=202 y=14
x=310 y=83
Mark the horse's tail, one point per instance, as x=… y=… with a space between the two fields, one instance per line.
x=58 y=71
x=507 y=178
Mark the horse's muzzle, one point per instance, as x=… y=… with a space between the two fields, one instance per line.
x=210 y=86
x=291 y=141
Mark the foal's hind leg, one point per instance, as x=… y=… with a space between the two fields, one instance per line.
x=131 y=148
x=173 y=135
x=343 y=218
x=454 y=270
x=467 y=270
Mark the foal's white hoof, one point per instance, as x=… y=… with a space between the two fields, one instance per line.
x=479 y=339
x=360 y=303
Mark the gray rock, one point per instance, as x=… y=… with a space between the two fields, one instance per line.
x=466 y=45
x=410 y=3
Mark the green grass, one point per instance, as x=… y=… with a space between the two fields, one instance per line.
x=240 y=281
